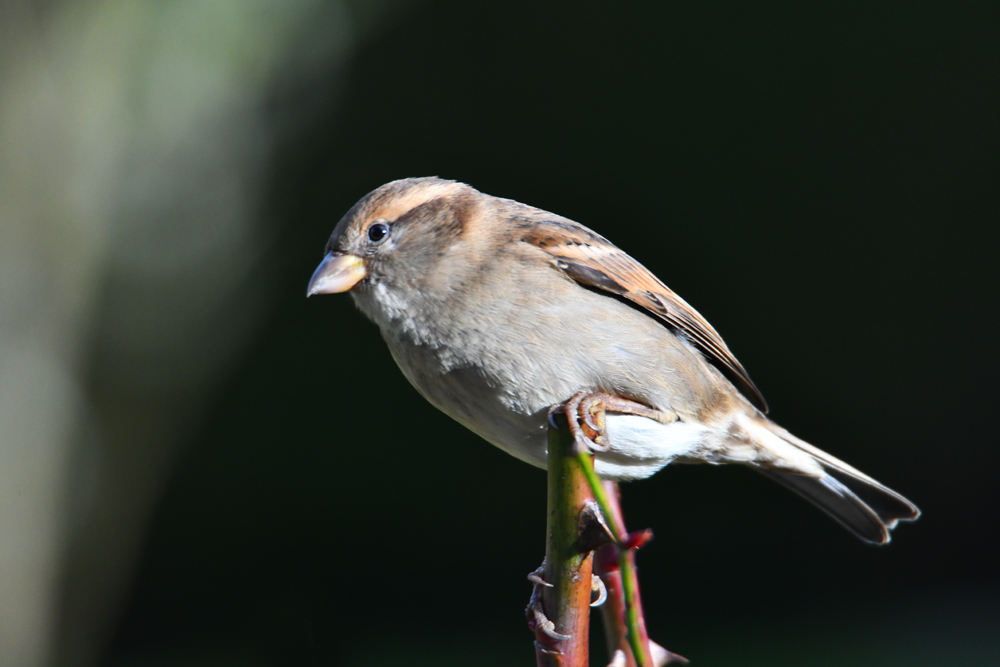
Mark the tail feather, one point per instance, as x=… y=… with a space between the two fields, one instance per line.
x=837 y=500
x=887 y=504
x=855 y=500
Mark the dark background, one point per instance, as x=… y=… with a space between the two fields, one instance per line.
x=819 y=180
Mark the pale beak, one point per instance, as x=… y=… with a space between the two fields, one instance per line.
x=337 y=273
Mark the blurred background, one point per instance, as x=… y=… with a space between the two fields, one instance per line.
x=200 y=467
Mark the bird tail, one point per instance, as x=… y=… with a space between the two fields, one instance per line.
x=855 y=500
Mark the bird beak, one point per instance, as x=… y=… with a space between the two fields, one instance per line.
x=337 y=273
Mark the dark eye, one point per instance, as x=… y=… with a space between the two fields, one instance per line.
x=378 y=231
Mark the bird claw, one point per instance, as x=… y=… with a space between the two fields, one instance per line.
x=592 y=410
x=585 y=417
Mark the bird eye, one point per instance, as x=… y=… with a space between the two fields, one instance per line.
x=378 y=231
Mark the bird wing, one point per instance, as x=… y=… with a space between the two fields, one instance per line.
x=595 y=262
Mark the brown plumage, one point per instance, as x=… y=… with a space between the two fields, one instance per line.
x=593 y=261
x=495 y=311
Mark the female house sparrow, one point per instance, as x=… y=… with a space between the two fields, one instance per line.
x=496 y=311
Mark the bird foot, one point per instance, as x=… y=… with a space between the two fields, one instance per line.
x=585 y=414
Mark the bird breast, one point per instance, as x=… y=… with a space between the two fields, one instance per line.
x=500 y=364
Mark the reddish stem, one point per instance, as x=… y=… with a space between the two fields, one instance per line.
x=608 y=567
x=566 y=603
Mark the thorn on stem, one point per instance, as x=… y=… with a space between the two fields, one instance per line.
x=662 y=656
x=536 y=577
x=594 y=530
x=539 y=621
x=596 y=585
x=546 y=649
x=638 y=539
x=618 y=659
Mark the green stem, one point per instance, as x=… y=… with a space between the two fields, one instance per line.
x=586 y=460
x=634 y=623
x=637 y=638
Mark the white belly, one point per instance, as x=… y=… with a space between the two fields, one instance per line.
x=638 y=446
x=641 y=446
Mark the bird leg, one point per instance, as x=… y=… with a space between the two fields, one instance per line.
x=585 y=415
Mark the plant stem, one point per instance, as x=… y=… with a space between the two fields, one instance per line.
x=567 y=601
x=625 y=626
x=635 y=625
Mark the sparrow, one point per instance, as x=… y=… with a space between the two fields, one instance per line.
x=496 y=311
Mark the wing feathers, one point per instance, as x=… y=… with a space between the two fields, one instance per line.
x=592 y=260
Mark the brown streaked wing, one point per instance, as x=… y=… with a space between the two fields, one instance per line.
x=592 y=260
